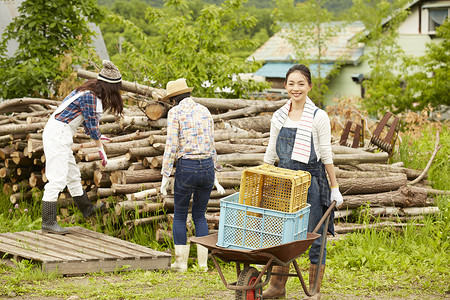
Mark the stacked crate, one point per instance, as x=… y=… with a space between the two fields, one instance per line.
x=269 y=210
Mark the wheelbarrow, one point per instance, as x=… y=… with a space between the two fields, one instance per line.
x=249 y=282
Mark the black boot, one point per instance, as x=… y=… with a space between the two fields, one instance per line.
x=49 y=223
x=85 y=205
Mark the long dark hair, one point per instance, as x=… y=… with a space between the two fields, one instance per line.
x=302 y=69
x=107 y=92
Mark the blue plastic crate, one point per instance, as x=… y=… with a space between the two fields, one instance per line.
x=248 y=227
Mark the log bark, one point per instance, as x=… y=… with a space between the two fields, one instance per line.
x=10 y=104
x=410 y=173
x=133 y=188
x=139 y=176
x=258 y=124
x=403 y=197
x=20 y=128
x=256 y=141
x=227 y=148
x=351 y=159
x=144 y=221
x=156 y=111
x=227 y=104
x=241 y=159
x=143 y=152
x=354 y=186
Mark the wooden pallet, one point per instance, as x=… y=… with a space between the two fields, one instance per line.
x=81 y=251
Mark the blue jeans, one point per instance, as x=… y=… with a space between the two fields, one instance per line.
x=192 y=177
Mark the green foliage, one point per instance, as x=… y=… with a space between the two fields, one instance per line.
x=415 y=151
x=382 y=84
x=427 y=76
x=309 y=27
x=45 y=31
x=196 y=49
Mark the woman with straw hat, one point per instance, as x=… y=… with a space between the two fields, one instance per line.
x=190 y=142
x=83 y=106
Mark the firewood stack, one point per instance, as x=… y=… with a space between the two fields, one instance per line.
x=130 y=182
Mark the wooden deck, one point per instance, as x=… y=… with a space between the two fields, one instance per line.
x=81 y=251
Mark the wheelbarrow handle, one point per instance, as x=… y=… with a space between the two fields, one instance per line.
x=333 y=204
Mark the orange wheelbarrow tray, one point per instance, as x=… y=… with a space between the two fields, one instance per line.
x=249 y=285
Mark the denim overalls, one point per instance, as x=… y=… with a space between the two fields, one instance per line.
x=319 y=191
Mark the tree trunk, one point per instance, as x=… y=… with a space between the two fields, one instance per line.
x=258 y=124
x=354 y=186
x=403 y=197
x=133 y=188
x=147 y=175
x=227 y=148
x=351 y=159
x=241 y=159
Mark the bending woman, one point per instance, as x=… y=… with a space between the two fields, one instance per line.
x=83 y=106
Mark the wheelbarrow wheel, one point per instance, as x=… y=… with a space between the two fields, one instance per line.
x=248 y=277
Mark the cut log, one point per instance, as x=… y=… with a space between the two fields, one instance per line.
x=241 y=159
x=143 y=195
x=354 y=186
x=133 y=188
x=410 y=173
x=255 y=141
x=258 y=124
x=144 y=221
x=353 y=159
x=151 y=151
x=20 y=128
x=156 y=111
x=403 y=197
x=227 y=104
x=9 y=105
x=227 y=148
x=139 y=176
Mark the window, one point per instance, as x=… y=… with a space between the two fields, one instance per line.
x=436 y=18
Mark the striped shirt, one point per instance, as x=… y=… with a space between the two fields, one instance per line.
x=190 y=134
x=85 y=105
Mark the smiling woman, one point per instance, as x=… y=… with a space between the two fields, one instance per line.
x=300 y=136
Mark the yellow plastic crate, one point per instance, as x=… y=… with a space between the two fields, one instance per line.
x=270 y=187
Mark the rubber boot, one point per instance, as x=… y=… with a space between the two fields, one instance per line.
x=49 y=223
x=202 y=257
x=85 y=205
x=277 y=284
x=181 y=258
x=312 y=277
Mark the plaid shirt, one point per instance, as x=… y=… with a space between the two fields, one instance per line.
x=86 y=105
x=190 y=134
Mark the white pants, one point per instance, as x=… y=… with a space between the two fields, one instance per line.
x=60 y=166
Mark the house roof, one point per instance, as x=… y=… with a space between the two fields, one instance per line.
x=279 y=70
x=339 y=47
x=8 y=11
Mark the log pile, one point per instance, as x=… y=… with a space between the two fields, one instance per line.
x=130 y=182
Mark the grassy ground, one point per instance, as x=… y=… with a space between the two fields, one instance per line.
x=412 y=264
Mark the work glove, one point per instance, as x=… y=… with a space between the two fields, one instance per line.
x=164 y=184
x=103 y=156
x=336 y=196
x=104 y=138
x=219 y=188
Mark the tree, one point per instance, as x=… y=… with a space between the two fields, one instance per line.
x=46 y=32
x=427 y=81
x=383 y=84
x=309 y=28
x=194 y=48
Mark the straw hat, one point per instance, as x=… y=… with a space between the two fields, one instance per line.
x=109 y=73
x=177 y=87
